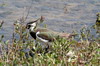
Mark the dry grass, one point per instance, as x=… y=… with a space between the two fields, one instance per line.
x=22 y=50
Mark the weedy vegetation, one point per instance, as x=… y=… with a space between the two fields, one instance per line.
x=83 y=49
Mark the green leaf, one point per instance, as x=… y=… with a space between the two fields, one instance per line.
x=98 y=49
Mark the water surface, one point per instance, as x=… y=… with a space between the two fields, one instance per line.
x=60 y=15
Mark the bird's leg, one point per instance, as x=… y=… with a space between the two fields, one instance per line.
x=31 y=53
x=36 y=44
x=46 y=49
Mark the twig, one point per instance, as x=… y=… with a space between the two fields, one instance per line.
x=28 y=11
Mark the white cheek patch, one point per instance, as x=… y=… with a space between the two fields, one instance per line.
x=41 y=38
x=33 y=25
x=31 y=28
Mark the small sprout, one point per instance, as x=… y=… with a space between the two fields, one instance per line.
x=17 y=22
x=1 y=24
x=45 y=26
x=6 y=42
x=98 y=19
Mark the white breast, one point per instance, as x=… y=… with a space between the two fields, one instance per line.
x=40 y=38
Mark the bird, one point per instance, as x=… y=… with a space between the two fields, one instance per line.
x=44 y=35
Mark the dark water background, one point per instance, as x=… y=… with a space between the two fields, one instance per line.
x=60 y=15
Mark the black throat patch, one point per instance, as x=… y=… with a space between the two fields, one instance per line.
x=33 y=34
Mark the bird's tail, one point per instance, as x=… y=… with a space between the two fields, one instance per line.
x=67 y=35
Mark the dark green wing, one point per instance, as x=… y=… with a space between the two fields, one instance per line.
x=46 y=36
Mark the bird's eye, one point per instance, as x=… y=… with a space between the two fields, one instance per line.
x=28 y=26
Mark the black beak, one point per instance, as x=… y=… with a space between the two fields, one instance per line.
x=27 y=26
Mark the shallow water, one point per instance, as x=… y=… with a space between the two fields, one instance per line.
x=60 y=15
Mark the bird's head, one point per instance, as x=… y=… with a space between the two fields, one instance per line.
x=33 y=24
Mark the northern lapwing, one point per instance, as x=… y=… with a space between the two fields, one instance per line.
x=44 y=35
